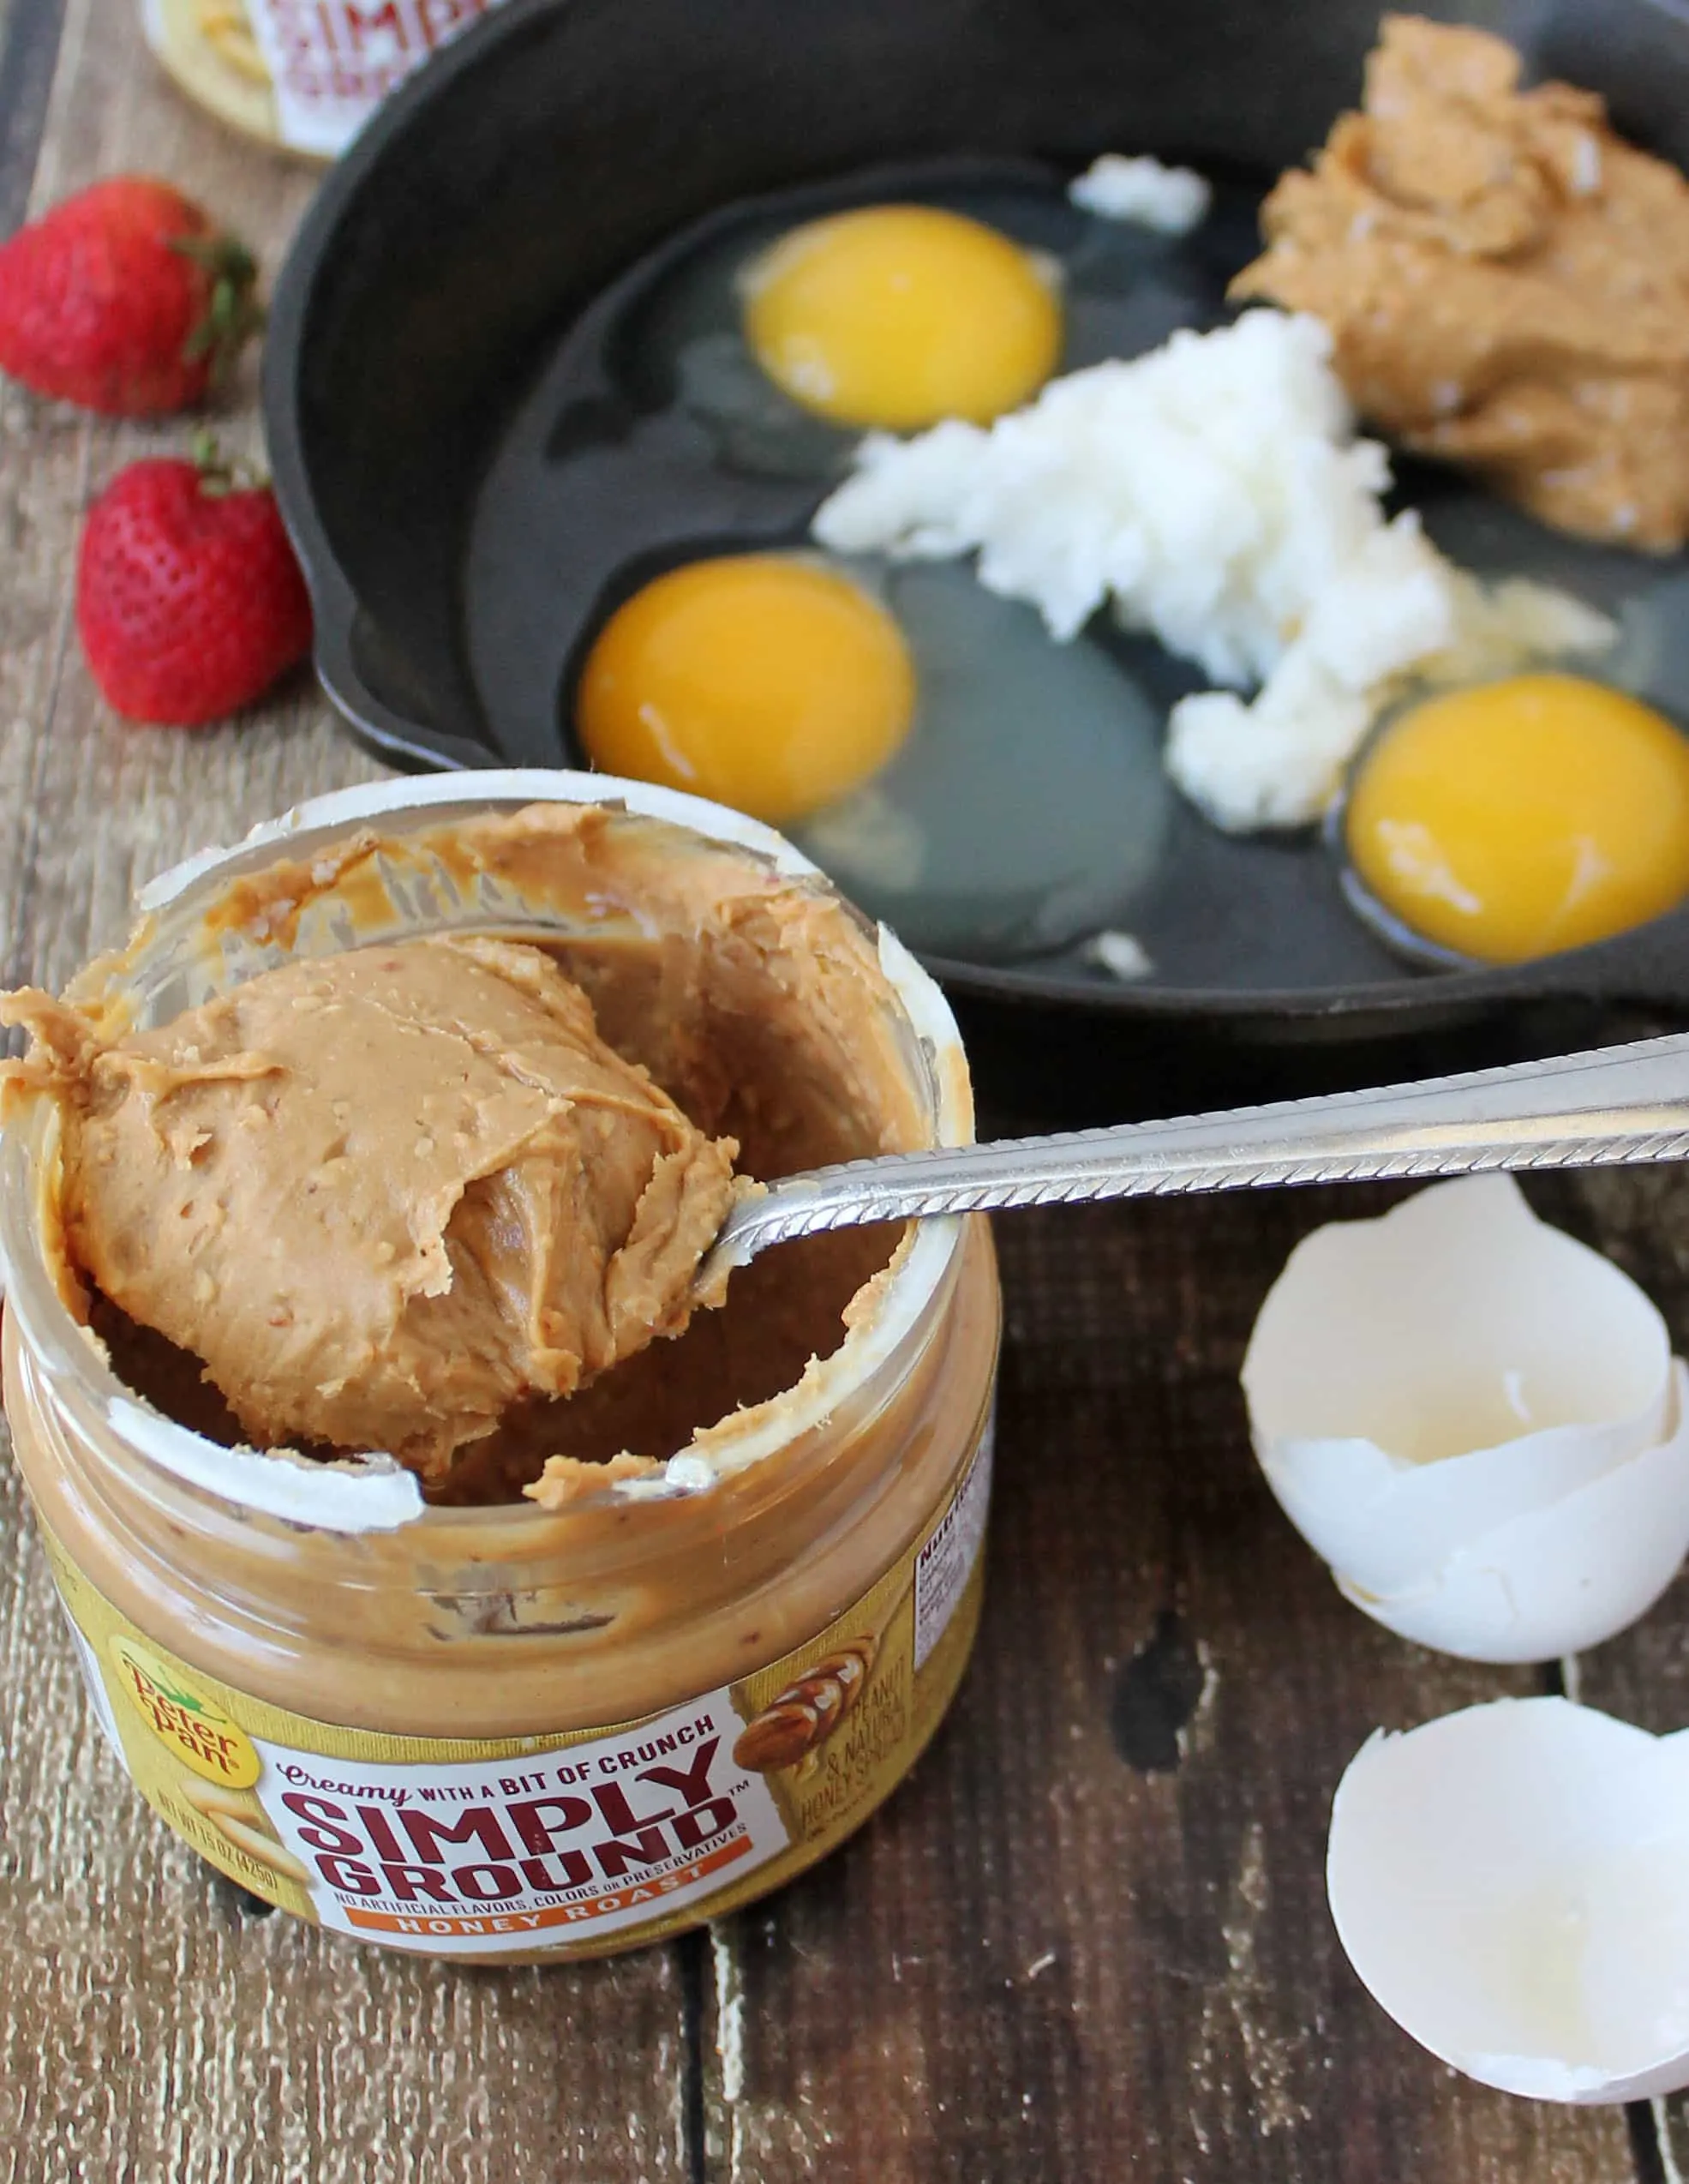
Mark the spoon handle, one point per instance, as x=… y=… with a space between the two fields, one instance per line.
x=1613 y=1106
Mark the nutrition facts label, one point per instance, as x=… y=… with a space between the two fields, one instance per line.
x=945 y=1563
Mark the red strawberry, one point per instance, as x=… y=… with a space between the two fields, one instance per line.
x=125 y=298
x=188 y=599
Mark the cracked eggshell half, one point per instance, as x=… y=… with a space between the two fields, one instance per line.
x=1512 y=1884
x=1562 y=1578
x=1417 y=1381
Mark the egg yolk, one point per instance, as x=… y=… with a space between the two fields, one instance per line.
x=769 y=684
x=1522 y=817
x=897 y=316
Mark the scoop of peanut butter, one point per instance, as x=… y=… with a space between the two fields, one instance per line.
x=1506 y=282
x=383 y=1195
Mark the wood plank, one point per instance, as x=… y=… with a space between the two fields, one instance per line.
x=29 y=36
x=1087 y=1941
x=150 y=2027
x=1089 y=1938
x=90 y=808
x=1640 y=1218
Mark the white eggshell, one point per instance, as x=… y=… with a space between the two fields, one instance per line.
x=1415 y=1382
x=1389 y=1525
x=1560 y=1579
x=1512 y=1884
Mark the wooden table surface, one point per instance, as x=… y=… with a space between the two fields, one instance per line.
x=1087 y=1940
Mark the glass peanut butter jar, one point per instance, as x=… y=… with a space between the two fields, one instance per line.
x=645 y=1650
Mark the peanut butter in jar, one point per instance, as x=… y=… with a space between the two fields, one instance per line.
x=301 y=75
x=648 y=1649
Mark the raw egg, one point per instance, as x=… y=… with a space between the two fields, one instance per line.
x=1518 y=818
x=767 y=682
x=897 y=316
x=1028 y=806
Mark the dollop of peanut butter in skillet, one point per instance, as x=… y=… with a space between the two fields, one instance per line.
x=1505 y=279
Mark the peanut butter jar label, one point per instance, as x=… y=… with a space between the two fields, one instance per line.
x=304 y=73
x=565 y=1846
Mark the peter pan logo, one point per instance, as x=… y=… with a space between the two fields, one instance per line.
x=183 y=1719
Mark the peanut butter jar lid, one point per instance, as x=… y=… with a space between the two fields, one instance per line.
x=374 y=1492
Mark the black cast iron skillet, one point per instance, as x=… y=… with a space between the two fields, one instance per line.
x=513 y=181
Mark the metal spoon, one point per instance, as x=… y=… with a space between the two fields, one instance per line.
x=1614 y=1105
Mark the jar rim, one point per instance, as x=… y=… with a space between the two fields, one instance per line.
x=375 y=1492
